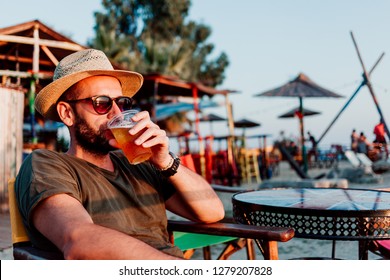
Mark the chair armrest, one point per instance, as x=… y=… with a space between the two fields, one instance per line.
x=229 y=189
x=233 y=230
x=24 y=251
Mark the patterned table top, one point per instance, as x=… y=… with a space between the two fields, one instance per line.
x=321 y=199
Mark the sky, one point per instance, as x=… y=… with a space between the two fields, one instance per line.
x=269 y=43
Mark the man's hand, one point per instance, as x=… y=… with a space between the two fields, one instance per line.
x=152 y=137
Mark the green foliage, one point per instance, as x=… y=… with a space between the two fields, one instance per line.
x=154 y=36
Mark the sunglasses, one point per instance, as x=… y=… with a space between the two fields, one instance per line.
x=102 y=104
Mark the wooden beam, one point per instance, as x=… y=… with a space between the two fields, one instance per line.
x=17 y=28
x=44 y=42
x=24 y=59
x=50 y=55
x=20 y=74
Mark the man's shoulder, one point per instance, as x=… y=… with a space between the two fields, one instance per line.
x=45 y=152
x=47 y=158
x=41 y=154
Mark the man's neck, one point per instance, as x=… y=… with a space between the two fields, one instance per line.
x=102 y=161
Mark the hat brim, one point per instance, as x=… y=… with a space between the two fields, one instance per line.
x=46 y=100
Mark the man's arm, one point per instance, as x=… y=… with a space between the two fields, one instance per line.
x=194 y=199
x=65 y=222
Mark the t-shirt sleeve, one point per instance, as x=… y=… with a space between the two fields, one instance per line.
x=43 y=174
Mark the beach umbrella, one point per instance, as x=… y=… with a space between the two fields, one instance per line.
x=300 y=87
x=296 y=113
x=211 y=118
x=244 y=124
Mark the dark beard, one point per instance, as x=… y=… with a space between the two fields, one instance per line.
x=90 y=141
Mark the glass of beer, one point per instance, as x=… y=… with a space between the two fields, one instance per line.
x=120 y=126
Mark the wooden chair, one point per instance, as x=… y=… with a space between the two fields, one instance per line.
x=249 y=165
x=190 y=242
x=266 y=236
x=22 y=249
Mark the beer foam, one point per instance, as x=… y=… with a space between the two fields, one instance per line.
x=123 y=124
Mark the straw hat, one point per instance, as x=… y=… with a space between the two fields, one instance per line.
x=76 y=67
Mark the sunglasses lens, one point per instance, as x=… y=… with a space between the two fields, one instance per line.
x=102 y=104
x=124 y=103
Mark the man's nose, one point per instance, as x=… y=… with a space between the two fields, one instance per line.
x=114 y=110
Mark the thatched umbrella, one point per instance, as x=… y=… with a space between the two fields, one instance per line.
x=296 y=113
x=244 y=124
x=301 y=87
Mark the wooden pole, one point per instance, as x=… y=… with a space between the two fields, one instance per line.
x=35 y=65
x=370 y=88
x=230 y=139
x=197 y=128
x=302 y=130
x=155 y=94
x=363 y=83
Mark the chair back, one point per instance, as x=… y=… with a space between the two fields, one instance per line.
x=364 y=159
x=19 y=233
x=352 y=158
x=22 y=248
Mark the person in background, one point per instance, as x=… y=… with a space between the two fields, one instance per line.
x=379 y=132
x=354 y=140
x=363 y=144
x=313 y=151
x=90 y=202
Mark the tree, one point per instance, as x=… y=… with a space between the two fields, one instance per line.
x=154 y=36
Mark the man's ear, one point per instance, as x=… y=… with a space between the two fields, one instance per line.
x=65 y=112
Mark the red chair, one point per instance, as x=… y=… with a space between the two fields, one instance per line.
x=188 y=162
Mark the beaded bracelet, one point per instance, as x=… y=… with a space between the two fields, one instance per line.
x=168 y=165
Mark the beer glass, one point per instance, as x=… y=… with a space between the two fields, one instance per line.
x=120 y=126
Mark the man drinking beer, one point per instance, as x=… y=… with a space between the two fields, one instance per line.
x=90 y=202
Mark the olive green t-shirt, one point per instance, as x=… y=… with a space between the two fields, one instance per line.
x=131 y=199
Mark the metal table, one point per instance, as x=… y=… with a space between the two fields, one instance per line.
x=319 y=213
